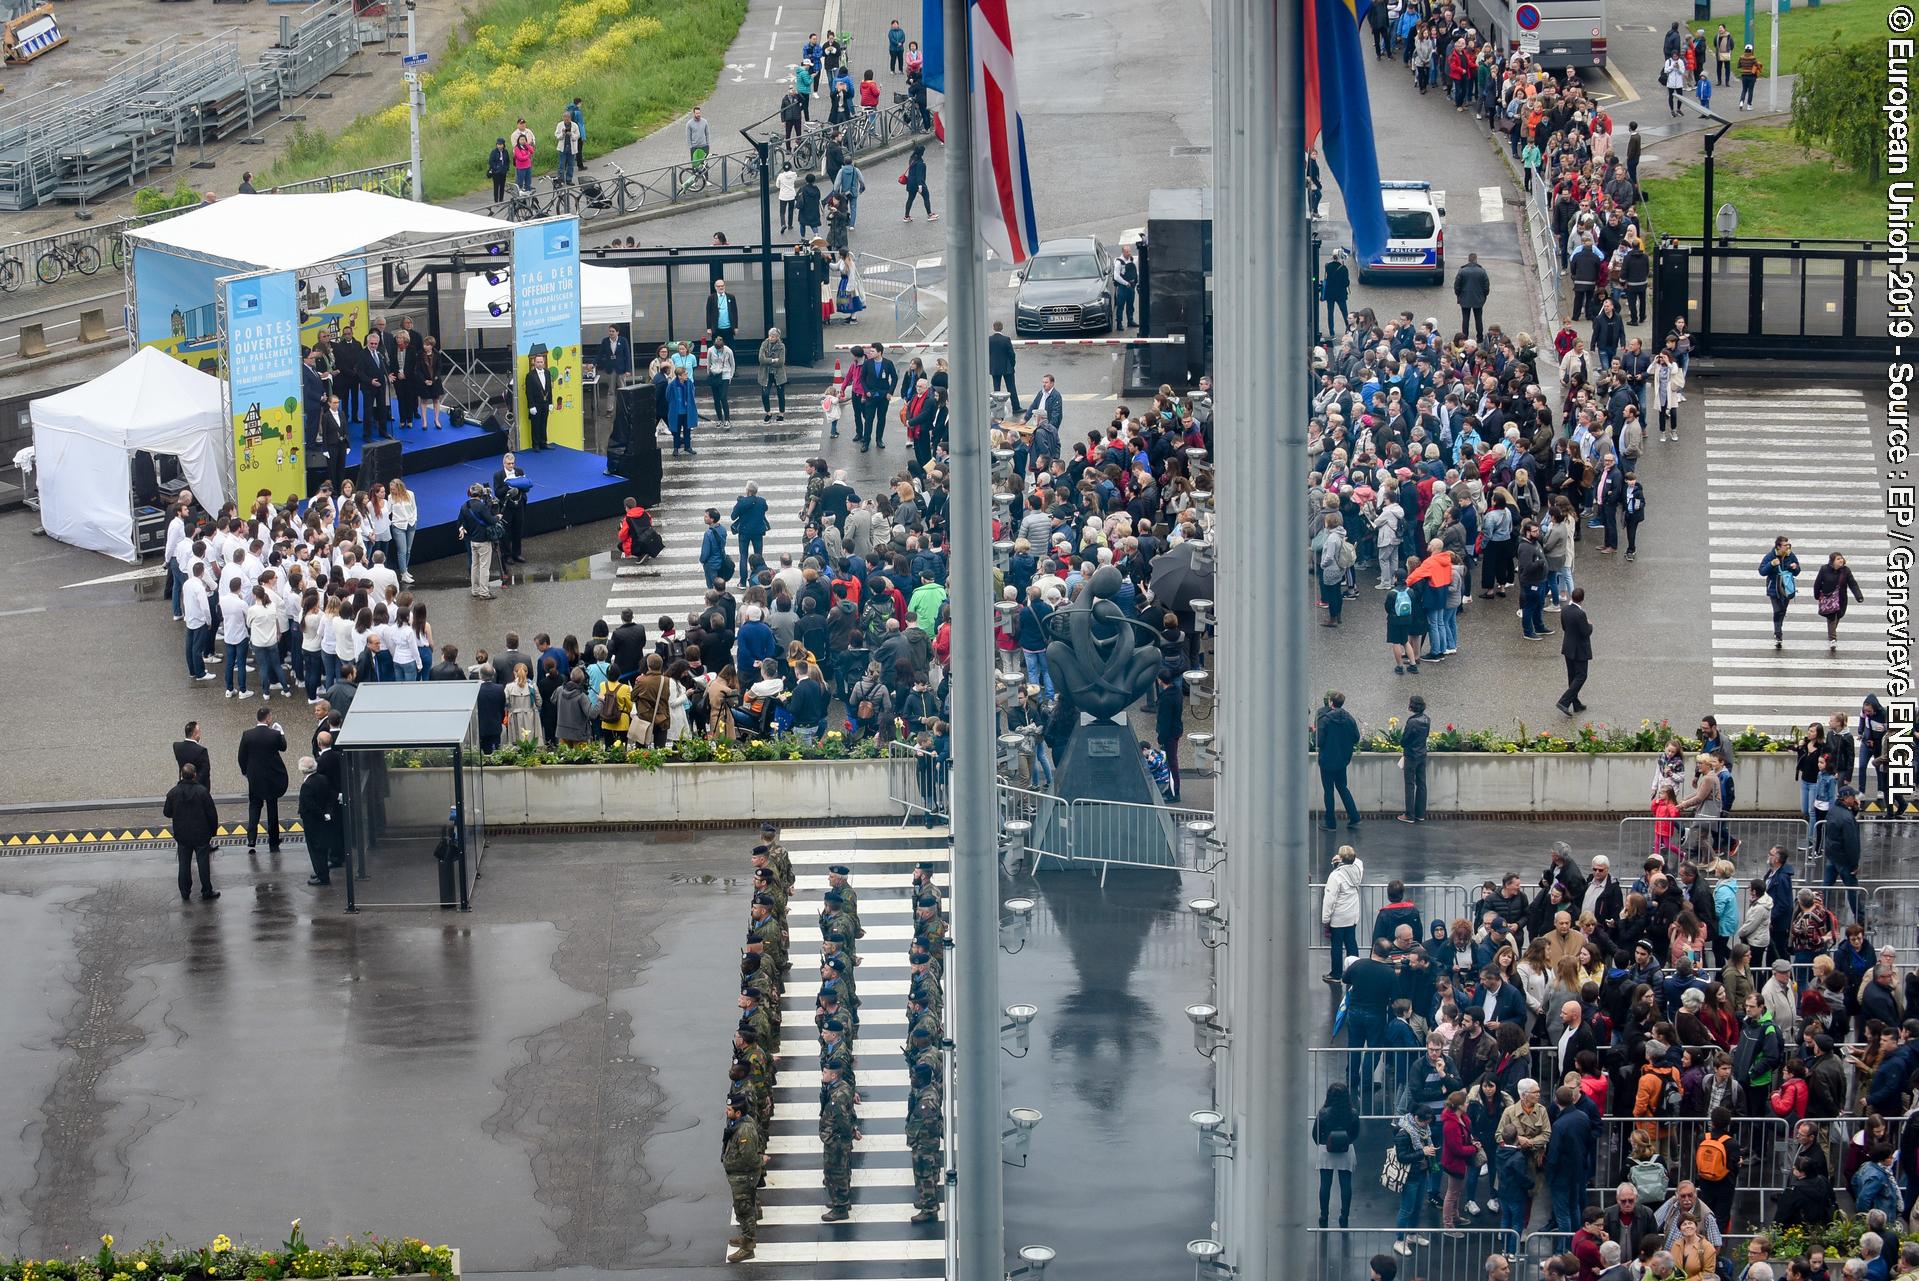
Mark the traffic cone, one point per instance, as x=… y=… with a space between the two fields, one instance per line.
x=836 y=373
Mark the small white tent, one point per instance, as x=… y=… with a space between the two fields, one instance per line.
x=85 y=437
x=606 y=298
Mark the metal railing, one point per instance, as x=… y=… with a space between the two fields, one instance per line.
x=1701 y=840
x=395 y=179
x=721 y=173
x=1538 y=1247
x=1460 y=1256
x=891 y=280
x=1539 y=229
x=920 y=782
x=1436 y=900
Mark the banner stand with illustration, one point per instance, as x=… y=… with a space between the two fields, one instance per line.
x=262 y=325
x=546 y=322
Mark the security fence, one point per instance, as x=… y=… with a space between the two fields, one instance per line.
x=1432 y=1254
x=1545 y=247
x=394 y=179
x=921 y=781
x=1701 y=840
x=720 y=173
x=1436 y=900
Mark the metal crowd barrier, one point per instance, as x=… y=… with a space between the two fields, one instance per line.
x=1704 y=839
x=1763 y=1140
x=920 y=781
x=1379 y=1076
x=395 y=179
x=1437 y=900
x=1458 y=1256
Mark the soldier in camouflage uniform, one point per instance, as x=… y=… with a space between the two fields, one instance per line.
x=743 y=1157
x=753 y=1015
x=925 y=1132
x=919 y=1015
x=833 y=979
x=833 y=951
x=838 y=1128
x=922 y=1046
x=838 y=878
x=777 y=857
x=929 y=932
x=764 y=882
x=768 y=930
x=754 y=975
x=923 y=883
x=836 y=1051
x=759 y=1071
x=834 y=919
x=926 y=978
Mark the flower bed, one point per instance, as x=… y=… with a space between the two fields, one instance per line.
x=1588 y=739
x=223 y=1259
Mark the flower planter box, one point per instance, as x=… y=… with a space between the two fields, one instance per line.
x=1555 y=782
x=706 y=792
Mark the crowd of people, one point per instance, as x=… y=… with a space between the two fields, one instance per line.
x=1719 y=1055
x=765 y=966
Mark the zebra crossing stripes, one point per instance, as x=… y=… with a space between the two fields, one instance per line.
x=877 y=1241
x=1802 y=464
x=772 y=457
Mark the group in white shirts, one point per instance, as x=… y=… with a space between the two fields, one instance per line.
x=296 y=596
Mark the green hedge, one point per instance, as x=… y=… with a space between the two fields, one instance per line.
x=1589 y=739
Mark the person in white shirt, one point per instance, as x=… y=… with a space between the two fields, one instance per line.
x=176 y=574
x=313 y=635
x=199 y=619
x=329 y=628
x=383 y=579
x=264 y=622
x=233 y=633
x=404 y=644
x=405 y=515
x=180 y=562
x=346 y=649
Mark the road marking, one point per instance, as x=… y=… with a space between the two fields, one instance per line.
x=1492 y=204
x=773 y=41
x=778 y=13
x=768 y=73
x=847 y=1251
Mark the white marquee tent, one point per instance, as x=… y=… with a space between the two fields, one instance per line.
x=288 y=232
x=606 y=298
x=84 y=440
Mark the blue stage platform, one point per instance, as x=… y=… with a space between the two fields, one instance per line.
x=569 y=488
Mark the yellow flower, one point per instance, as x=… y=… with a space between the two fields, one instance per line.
x=221 y=1244
x=107 y=1240
x=140 y=1266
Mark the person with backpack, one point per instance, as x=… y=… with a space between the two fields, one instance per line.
x=614 y=708
x=1757 y=1055
x=1334 y=556
x=1780 y=569
x=1405 y=627
x=1335 y=1131
x=1716 y=1165
x=1660 y=1094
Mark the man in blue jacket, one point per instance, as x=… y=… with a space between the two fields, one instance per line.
x=1336 y=737
x=754 y=642
x=713 y=548
x=750 y=523
x=1872 y=1185
x=1569 y=1159
x=1889 y=1079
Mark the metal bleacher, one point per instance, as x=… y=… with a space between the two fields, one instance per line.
x=56 y=147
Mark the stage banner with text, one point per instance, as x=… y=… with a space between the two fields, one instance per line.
x=263 y=377
x=546 y=321
x=173 y=307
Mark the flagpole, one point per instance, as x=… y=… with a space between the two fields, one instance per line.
x=1260 y=241
x=976 y=1203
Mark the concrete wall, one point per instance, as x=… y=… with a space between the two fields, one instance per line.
x=671 y=794
x=1572 y=783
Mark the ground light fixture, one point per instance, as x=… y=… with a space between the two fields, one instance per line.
x=1013 y=837
x=1018 y=1019
x=1206 y=850
x=1213 y=1137
x=1033 y=1261
x=1212 y=926
x=1024 y=1121
x=1207 y=1265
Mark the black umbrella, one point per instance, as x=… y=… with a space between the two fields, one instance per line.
x=1182 y=575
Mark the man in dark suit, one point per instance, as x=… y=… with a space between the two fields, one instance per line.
x=375 y=386
x=750 y=523
x=188 y=751
x=539 y=400
x=319 y=819
x=313 y=390
x=512 y=506
x=615 y=364
x=349 y=359
x=1609 y=491
x=1576 y=647
x=333 y=440
x=263 y=763
x=722 y=313
x=1047 y=404
x=879 y=378
x=1000 y=361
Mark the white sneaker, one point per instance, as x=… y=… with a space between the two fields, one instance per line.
x=244 y=694
x=1472 y=1208
x=1492 y=1203
x=1420 y=1238
x=1401 y=1248
x=229 y=693
x=1552 y=609
x=406 y=578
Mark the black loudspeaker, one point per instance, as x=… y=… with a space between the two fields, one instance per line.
x=1179 y=308
x=1179 y=226
x=456 y=417
x=634 y=416
x=379 y=463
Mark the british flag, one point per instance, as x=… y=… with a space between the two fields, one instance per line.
x=1002 y=180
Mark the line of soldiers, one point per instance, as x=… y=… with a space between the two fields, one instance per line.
x=764 y=965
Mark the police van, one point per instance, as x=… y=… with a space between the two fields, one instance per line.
x=1415 y=232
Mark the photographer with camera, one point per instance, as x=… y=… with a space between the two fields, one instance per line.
x=511 y=499
x=481 y=528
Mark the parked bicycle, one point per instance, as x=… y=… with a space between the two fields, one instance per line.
x=12 y=274
x=83 y=257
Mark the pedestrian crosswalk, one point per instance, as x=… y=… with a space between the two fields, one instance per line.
x=1801 y=463
x=773 y=457
x=877 y=1241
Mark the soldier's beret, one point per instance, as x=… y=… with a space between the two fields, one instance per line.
x=834 y=896
x=762 y=900
x=922 y=1074
x=832 y=1025
x=829 y=994
x=835 y=963
x=839 y=869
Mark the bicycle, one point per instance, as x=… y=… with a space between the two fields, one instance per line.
x=691 y=179
x=525 y=206
x=57 y=261
x=12 y=274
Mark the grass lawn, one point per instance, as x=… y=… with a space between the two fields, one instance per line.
x=1802 y=28
x=637 y=64
x=1779 y=188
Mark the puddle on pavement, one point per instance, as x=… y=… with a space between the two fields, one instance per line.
x=688 y=878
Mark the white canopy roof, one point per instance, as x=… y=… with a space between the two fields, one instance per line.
x=283 y=232
x=84 y=436
x=606 y=298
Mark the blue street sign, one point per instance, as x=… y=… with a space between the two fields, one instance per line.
x=419 y=59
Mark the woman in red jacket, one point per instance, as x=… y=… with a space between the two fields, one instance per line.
x=1457 y=1150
